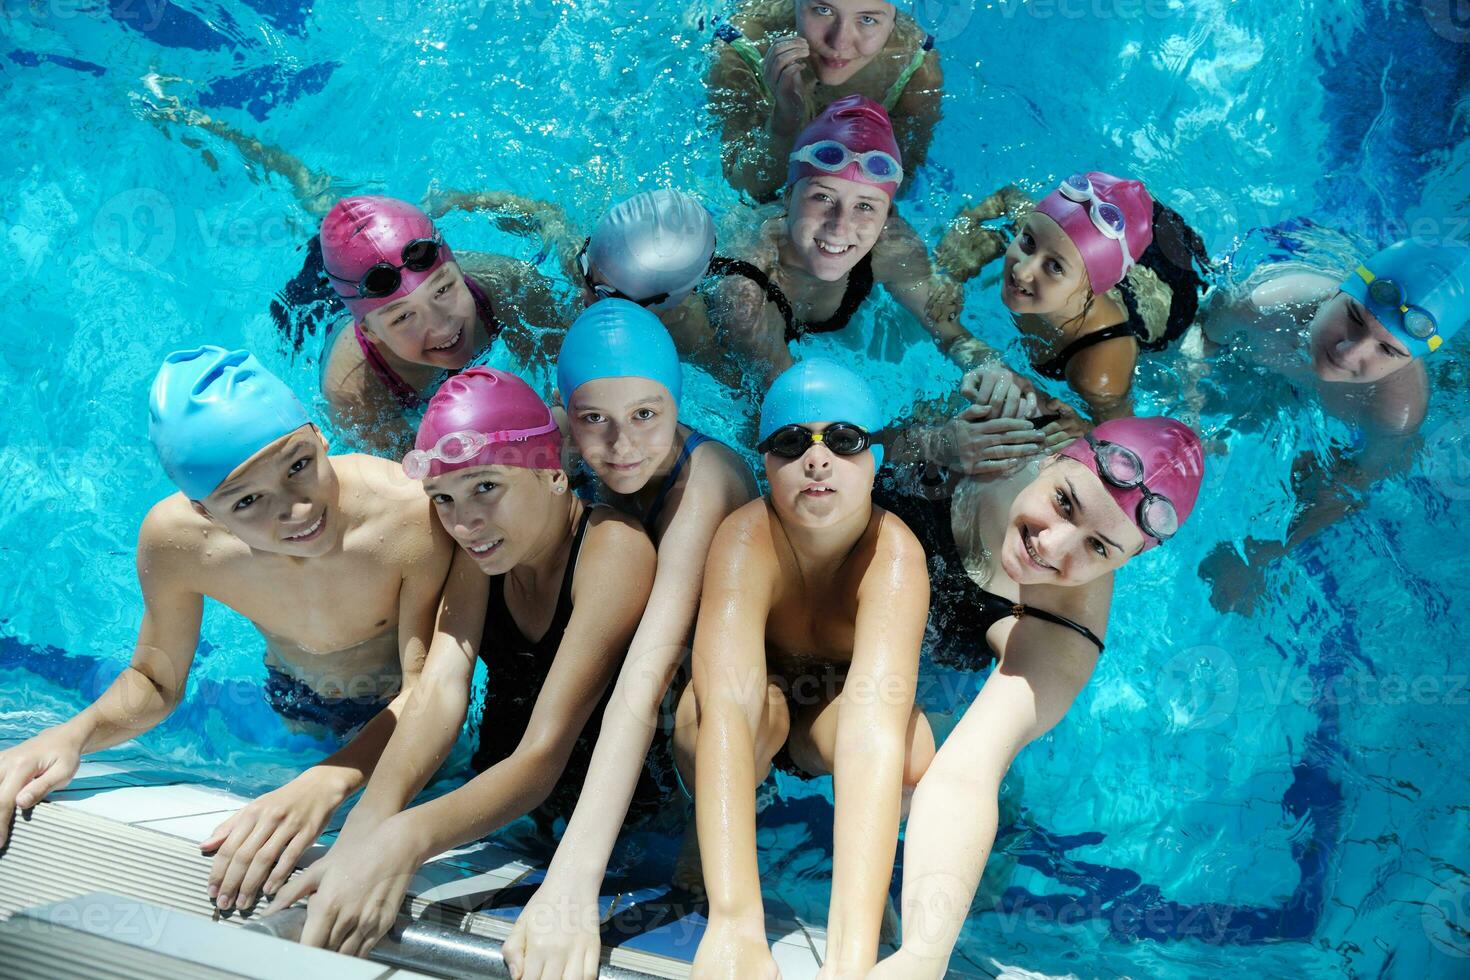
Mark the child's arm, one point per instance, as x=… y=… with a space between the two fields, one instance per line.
x=952 y=823
x=360 y=885
x=515 y=214
x=918 y=111
x=560 y=922
x=259 y=846
x=872 y=729
x=146 y=691
x=1103 y=376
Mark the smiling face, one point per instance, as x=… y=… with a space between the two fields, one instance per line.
x=625 y=428
x=844 y=35
x=283 y=499
x=1066 y=529
x=1348 y=344
x=497 y=513
x=820 y=488
x=433 y=325
x=831 y=223
x=1044 y=274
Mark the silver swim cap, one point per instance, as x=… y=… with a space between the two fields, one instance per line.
x=657 y=242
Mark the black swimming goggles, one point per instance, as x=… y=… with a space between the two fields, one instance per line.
x=603 y=291
x=384 y=278
x=792 y=441
x=1121 y=467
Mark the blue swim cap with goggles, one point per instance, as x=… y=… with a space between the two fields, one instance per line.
x=819 y=390
x=1419 y=291
x=210 y=410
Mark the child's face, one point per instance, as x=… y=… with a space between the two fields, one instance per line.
x=282 y=500
x=624 y=428
x=496 y=513
x=1043 y=274
x=820 y=488
x=433 y=325
x=1066 y=529
x=1349 y=345
x=832 y=223
x=844 y=35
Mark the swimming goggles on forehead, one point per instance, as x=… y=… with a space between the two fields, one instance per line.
x=1419 y=323
x=1121 y=467
x=832 y=157
x=384 y=278
x=465 y=445
x=603 y=291
x=1107 y=218
x=792 y=441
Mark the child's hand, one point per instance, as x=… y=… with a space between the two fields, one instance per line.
x=735 y=949
x=256 y=850
x=783 y=69
x=556 y=935
x=32 y=769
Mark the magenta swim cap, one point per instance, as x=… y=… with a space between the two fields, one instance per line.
x=1173 y=463
x=1102 y=255
x=494 y=404
x=861 y=125
x=360 y=232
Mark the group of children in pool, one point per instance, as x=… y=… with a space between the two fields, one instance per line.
x=576 y=552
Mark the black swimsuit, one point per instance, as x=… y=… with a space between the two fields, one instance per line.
x=516 y=670
x=960 y=611
x=859 y=287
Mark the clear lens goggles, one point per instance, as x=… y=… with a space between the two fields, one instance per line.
x=832 y=157
x=1107 y=218
x=1121 y=467
x=1419 y=323
x=465 y=445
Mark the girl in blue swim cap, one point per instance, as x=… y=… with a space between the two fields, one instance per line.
x=1356 y=332
x=806 y=654
x=621 y=380
x=778 y=63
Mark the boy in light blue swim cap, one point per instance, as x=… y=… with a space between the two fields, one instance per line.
x=806 y=655
x=338 y=562
x=1361 y=341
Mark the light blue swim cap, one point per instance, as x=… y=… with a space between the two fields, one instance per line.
x=655 y=244
x=819 y=390
x=210 y=410
x=1419 y=291
x=614 y=338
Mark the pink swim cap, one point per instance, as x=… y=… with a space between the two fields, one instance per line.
x=495 y=404
x=861 y=125
x=1102 y=255
x=1173 y=463
x=360 y=232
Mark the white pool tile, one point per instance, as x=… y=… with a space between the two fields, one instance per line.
x=795 y=962
x=137 y=804
x=195 y=828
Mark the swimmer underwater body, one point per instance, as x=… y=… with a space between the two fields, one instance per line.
x=337 y=561
x=1361 y=344
x=620 y=375
x=1039 y=604
x=417 y=314
x=806 y=650
x=1096 y=271
x=779 y=63
x=838 y=237
x=547 y=592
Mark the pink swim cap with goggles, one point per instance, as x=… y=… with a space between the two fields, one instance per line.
x=1110 y=220
x=484 y=417
x=852 y=139
x=379 y=249
x=1153 y=468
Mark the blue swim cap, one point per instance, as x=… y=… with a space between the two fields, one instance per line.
x=819 y=390
x=614 y=338
x=1419 y=291
x=210 y=410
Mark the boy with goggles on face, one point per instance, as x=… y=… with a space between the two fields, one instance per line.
x=1358 y=339
x=337 y=561
x=806 y=657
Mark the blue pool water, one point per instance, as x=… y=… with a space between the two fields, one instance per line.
x=1281 y=794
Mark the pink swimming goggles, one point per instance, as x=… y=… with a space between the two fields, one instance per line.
x=454 y=448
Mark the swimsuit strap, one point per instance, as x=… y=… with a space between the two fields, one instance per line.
x=1056 y=366
x=563 y=613
x=498 y=616
x=721 y=266
x=891 y=97
x=859 y=286
x=693 y=442
x=1020 y=609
